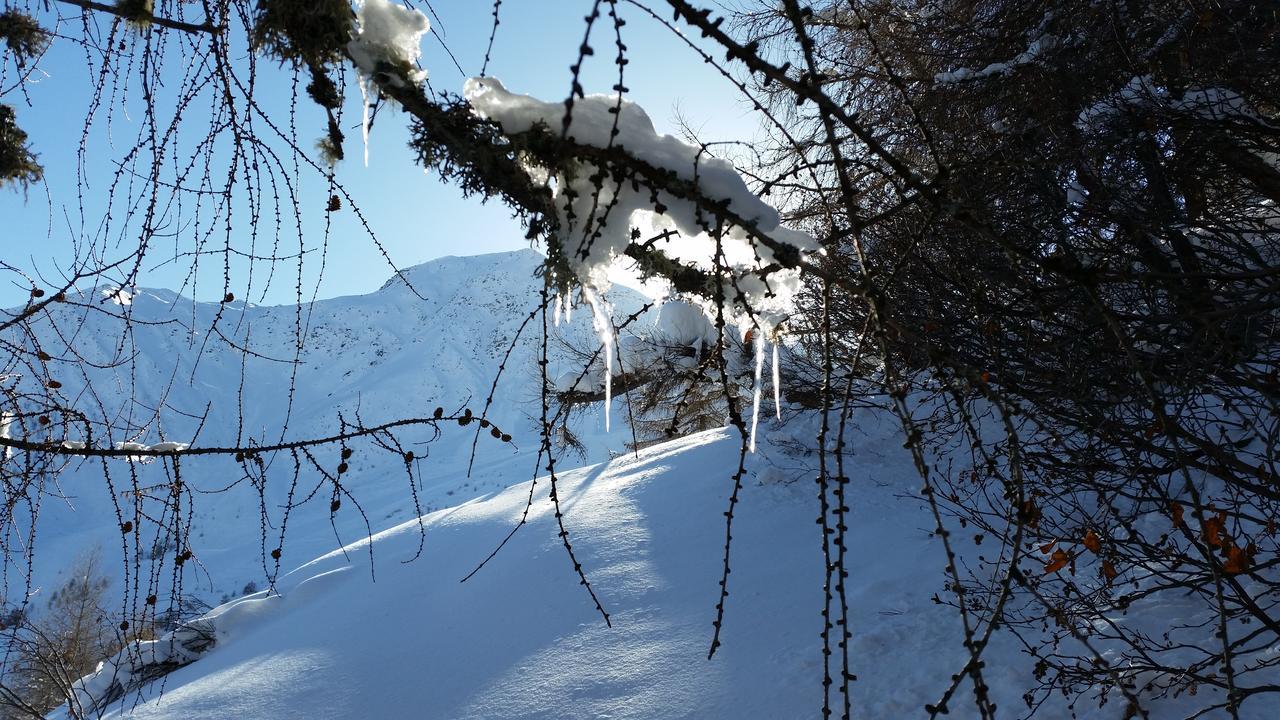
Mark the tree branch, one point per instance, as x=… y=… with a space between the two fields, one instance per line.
x=56 y=447
x=155 y=19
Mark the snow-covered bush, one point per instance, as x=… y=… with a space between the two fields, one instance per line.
x=48 y=647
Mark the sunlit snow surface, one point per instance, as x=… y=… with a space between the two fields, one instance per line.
x=522 y=640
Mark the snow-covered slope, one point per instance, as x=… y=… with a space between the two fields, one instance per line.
x=399 y=352
x=522 y=639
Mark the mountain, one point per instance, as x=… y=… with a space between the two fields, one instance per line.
x=151 y=366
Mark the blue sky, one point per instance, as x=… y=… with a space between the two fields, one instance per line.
x=414 y=215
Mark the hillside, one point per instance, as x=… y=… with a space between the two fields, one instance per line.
x=385 y=627
x=152 y=371
x=522 y=640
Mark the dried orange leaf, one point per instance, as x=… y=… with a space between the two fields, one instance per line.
x=1238 y=560
x=1057 y=561
x=1214 y=531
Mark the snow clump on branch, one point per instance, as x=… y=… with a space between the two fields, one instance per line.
x=387 y=45
x=392 y=35
x=166 y=447
x=601 y=213
x=597 y=217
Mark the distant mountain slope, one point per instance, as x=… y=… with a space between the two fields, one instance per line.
x=395 y=353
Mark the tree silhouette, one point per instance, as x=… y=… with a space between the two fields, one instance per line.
x=1043 y=233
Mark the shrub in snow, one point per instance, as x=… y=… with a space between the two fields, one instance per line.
x=685 y=324
x=48 y=647
x=139 y=663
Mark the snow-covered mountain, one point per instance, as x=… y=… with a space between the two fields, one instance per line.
x=434 y=336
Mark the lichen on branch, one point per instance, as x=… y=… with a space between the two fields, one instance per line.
x=22 y=35
x=306 y=32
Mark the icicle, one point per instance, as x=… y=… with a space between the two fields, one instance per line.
x=608 y=380
x=559 y=303
x=777 y=386
x=600 y=313
x=755 y=391
x=6 y=423
x=364 y=115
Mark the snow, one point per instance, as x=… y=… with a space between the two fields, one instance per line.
x=684 y=323
x=597 y=220
x=602 y=321
x=1140 y=90
x=365 y=355
x=777 y=384
x=592 y=123
x=1215 y=103
x=129 y=445
x=126 y=670
x=606 y=121
x=1030 y=55
x=388 y=35
x=576 y=381
x=167 y=446
x=758 y=342
x=118 y=295
x=522 y=640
